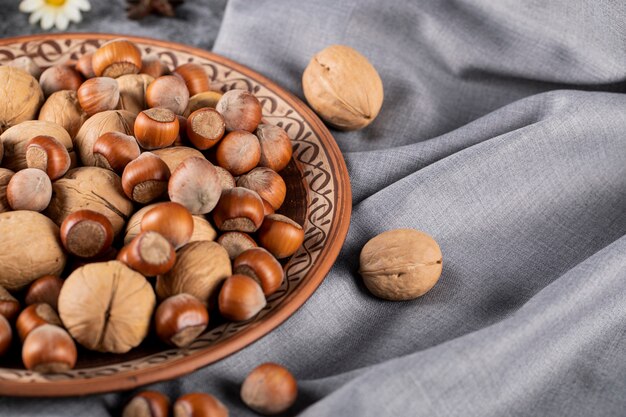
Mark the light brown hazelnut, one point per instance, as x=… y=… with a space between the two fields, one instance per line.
x=343 y=87
x=241 y=298
x=98 y=94
x=400 y=264
x=115 y=150
x=145 y=179
x=236 y=243
x=153 y=66
x=156 y=128
x=280 y=235
x=23 y=258
x=205 y=127
x=199 y=270
x=49 y=349
x=239 y=209
x=226 y=178
x=29 y=189
x=86 y=234
x=200 y=100
x=84 y=65
x=27 y=64
x=195 y=185
x=260 y=265
x=269 y=389
x=91 y=188
x=241 y=110
x=168 y=91
x=5 y=177
x=171 y=220
x=63 y=108
x=107 y=306
x=116 y=58
x=267 y=208
x=180 y=319
x=48 y=155
x=238 y=152
x=9 y=306
x=21 y=98
x=44 y=290
x=195 y=77
x=33 y=316
x=59 y=77
x=98 y=124
x=148 y=404
x=276 y=149
x=267 y=184
x=173 y=156
x=199 y=405
x=133 y=92
x=6 y=335
x=149 y=253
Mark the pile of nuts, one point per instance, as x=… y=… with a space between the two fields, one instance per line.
x=132 y=198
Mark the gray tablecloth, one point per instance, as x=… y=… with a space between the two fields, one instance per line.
x=503 y=135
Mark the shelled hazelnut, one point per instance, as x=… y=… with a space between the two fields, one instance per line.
x=44 y=290
x=147 y=404
x=269 y=389
x=199 y=405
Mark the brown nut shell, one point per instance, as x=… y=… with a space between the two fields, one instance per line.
x=116 y=58
x=168 y=91
x=153 y=66
x=276 y=149
x=33 y=316
x=29 y=189
x=44 y=290
x=147 y=404
x=171 y=220
x=199 y=405
x=6 y=335
x=107 y=306
x=280 y=235
x=9 y=306
x=241 y=110
x=401 y=264
x=21 y=101
x=64 y=109
x=262 y=266
x=239 y=209
x=195 y=185
x=156 y=128
x=115 y=150
x=84 y=65
x=195 y=77
x=205 y=127
x=49 y=349
x=145 y=179
x=98 y=94
x=86 y=234
x=49 y=155
x=269 y=389
x=59 y=77
x=241 y=298
x=238 y=152
x=179 y=319
x=267 y=184
x=236 y=242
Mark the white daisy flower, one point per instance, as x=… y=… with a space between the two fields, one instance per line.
x=57 y=13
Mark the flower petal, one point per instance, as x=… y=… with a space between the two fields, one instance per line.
x=72 y=13
x=28 y=6
x=35 y=16
x=48 y=19
x=61 y=20
x=81 y=4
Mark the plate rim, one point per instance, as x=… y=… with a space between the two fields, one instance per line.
x=194 y=361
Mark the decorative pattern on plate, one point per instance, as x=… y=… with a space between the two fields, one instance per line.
x=312 y=162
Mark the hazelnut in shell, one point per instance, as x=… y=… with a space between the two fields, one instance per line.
x=59 y=77
x=153 y=66
x=64 y=109
x=84 y=65
x=148 y=253
x=267 y=184
x=236 y=243
x=48 y=155
x=276 y=149
x=241 y=298
x=33 y=316
x=343 y=87
x=116 y=58
x=269 y=389
x=145 y=179
x=107 y=306
x=195 y=185
x=195 y=77
x=239 y=209
x=200 y=100
x=9 y=306
x=148 y=404
x=180 y=319
x=205 y=127
x=199 y=404
x=86 y=234
x=171 y=220
x=262 y=266
x=241 y=110
x=29 y=189
x=156 y=128
x=99 y=124
x=168 y=91
x=49 y=349
x=44 y=290
x=280 y=235
x=115 y=150
x=21 y=98
x=238 y=152
x=400 y=264
x=226 y=178
x=98 y=94
x=27 y=64
x=6 y=335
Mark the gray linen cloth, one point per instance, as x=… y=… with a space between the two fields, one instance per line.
x=503 y=135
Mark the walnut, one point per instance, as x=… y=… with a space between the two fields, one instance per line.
x=107 y=306
x=63 y=109
x=20 y=95
x=5 y=177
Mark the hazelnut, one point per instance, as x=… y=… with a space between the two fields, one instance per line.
x=195 y=185
x=107 y=306
x=64 y=109
x=199 y=270
x=98 y=124
x=33 y=316
x=238 y=152
x=280 y=235
x=48 y=155
x=267 y=184
x=156 y=128
x=400 y=264
x=147 y=404
x=29 y=189
x=199 y=405
x=241 y=298
x=49 y=349
x=98 y=94
x=115 y=150
x=59 y=77
x=145 y=179
x=5 y=177
x=44 y=290
x=84 y=65
x=173 y=156
x=343 y=87
x=153 y=66
x=269 y=389
x=267 y=208
x=238 y=209
x=181 y=139
x=21 y=98
x=241 y=110
x=6 y=335
x=200 y=100
x=148 y=253
x=25 y=259
x=133 y=92
x=179 y=319
x=205 y=127
x=86 y=234
x=91 y=188
x=9 y=306
x=195 y=77
x=236 y=242
x=116 y=58
x=260 y=265
x=226 y=179
x=27 y=64
x=276 y=149
x=171 y=220
x=168 y=91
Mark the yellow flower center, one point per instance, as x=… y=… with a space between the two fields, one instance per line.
x=57 y=3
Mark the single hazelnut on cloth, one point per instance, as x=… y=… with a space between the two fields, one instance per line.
x=401 y=264
x=269 y=389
